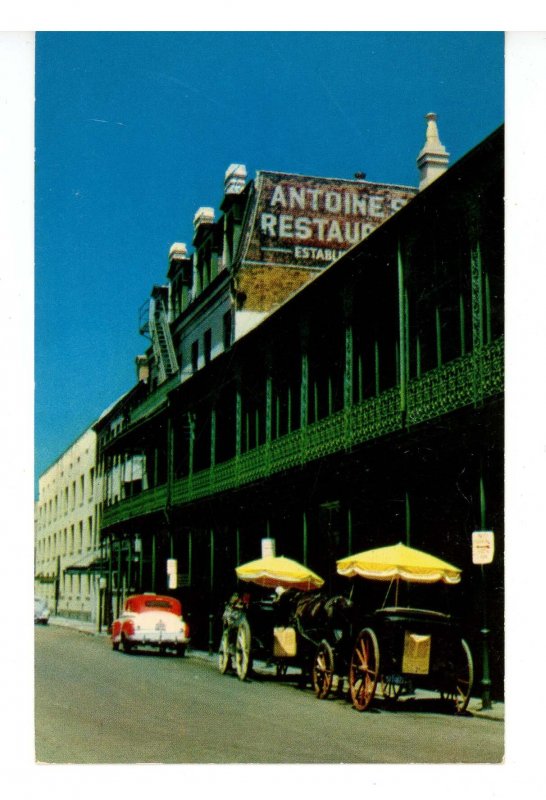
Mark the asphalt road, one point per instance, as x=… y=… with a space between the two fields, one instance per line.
x=94 y=705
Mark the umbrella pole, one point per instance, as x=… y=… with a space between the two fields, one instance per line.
x=396 y=592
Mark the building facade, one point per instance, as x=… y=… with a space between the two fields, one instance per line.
x=67 y=525
x=365 y=408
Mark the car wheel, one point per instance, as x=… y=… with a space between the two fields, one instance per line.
x=181 y=650
x=126 y=644
x=115 y=645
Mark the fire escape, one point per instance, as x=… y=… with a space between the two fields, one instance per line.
x=154 y=322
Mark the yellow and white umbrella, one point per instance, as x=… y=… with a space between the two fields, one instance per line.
x=274 y=571
x=398 y=561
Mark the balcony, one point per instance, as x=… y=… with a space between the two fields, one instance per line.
x=466 y=381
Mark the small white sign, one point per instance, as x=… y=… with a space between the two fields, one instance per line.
x=172 y=580
x=268 y=548
x=483 y=547
x=172 y=566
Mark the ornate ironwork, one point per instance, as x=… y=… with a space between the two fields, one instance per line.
x=440 y=391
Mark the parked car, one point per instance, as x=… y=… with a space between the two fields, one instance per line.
x=41 y=611
x=151 y=620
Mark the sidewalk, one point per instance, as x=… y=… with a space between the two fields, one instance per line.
x=496 y=712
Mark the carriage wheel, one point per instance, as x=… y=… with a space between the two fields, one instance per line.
x=242 y=650
x=463 y=679
x=390 y=690
x=323 y=670
x=224 y=658
x=364 y=669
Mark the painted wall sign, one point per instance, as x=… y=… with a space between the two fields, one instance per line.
x=305 y=221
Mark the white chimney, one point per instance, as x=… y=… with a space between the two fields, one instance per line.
x=433 y=159
x=235 y=179
x=178 y=251
x=203 y=216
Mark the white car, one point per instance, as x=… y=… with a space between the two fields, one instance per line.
x=151 y=620
x=41 y=611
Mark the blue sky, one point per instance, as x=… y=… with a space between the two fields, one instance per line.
x=134 y=132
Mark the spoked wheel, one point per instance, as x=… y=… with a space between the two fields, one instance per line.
x=463 y=679
x=224 y=658
x=323 y=670
x=364 y=669
x=242 y=650
x=390 y=689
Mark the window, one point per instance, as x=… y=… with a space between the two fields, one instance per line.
x=207 y=345
x=194 y=356
x=228 y=332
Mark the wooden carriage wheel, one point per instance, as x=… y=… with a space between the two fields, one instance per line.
x=224 y=658
x=463 y=678
x=323 y=670
x=389 y=689
x=242 y=650
x=364 y=669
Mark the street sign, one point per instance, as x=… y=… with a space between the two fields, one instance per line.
x=483 y=547
x=172 y=573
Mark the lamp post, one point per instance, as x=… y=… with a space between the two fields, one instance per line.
x=102 y=587
x=483 y=547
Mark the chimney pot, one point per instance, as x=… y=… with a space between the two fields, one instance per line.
x=433 y=160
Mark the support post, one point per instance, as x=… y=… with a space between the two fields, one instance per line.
x=154 y=565
x=211 y=589
x=486 y=678
x=402 y=329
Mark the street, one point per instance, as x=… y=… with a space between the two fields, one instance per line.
x=94 y=705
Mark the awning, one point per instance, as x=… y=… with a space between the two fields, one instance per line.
x=87 y=564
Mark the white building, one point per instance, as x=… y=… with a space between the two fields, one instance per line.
x=67 y=527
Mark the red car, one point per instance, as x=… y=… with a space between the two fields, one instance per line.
x=151 y=620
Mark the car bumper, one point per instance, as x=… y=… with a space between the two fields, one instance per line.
x=159 y=638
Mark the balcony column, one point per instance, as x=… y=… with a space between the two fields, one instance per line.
x=170 y=454
x=349 y=529
x=118 y=580
x=238 y=416
x=304 y=378
x=349 y=355
x=403 y=329
x=476 y=282
x=154 y=564
x=191 y=441
x=268 y=400
x=213 y=436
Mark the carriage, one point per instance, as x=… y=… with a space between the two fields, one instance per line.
x=399 y=648
x=285 y=627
